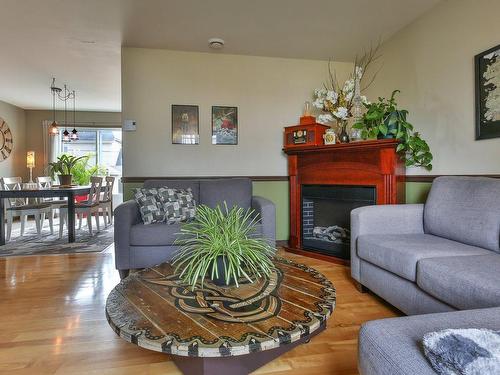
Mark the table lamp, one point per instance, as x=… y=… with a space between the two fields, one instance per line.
x=30 y=163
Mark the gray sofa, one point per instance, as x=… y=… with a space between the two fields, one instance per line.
x=439 y=257
x=138 y=245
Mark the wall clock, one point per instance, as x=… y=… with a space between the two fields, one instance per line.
x=6 y=140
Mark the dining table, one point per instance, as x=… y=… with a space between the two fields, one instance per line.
x=69 y=192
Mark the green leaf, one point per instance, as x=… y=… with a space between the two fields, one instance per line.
x=383 y=129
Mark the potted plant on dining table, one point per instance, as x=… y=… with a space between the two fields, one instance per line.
x=63 y=167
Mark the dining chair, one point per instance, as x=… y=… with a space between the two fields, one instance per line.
x=45 y=182
x=23 y=208
x=89 y=208
x=106 y=201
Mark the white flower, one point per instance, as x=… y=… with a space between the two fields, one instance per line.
x=364 y=99
x=341 y=113
x=318 y=103
x=318 y=93
x=348 y=86
x=332 y=96
x=359 y=72
x=349 y=96
x=325 y=118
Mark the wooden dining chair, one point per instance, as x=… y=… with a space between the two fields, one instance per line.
x=89 y=208
x=21 y=207
x=106 y=202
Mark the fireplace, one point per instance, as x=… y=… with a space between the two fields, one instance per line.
x=326 y=216
x=329 y=181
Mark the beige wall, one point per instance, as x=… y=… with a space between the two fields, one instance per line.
x=431 y=62
x=34 y=129
x=15 y=164
x=269 y=94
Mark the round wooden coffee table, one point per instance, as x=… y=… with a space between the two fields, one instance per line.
x=221 y=330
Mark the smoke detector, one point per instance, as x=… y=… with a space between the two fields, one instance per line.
x=216 y=43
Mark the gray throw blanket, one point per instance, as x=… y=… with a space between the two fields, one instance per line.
x=463 y=351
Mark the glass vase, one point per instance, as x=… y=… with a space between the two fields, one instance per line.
x=343 y=136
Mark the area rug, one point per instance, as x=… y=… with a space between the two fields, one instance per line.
x=32 y=244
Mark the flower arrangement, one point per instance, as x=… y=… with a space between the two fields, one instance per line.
x=342 y=101
x=337 y=101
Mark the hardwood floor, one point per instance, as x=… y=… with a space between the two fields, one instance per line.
x=53 y=322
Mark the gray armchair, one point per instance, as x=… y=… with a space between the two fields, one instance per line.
x=139 y=246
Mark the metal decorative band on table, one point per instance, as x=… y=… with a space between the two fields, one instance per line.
x=155 y=310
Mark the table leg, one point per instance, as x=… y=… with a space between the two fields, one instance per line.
x=2 y=222
x=71 y=217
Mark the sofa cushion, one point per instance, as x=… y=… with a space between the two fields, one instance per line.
x=465 y=209
x=466 y=282
x=158 y=234
x=233 y=191
x=399 y=253
x=194 y=185
x=150 y=207
x=394 y=346
x=178 y=204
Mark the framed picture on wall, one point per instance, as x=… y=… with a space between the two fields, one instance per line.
x=487 y=67
x=185 y=124
x=224 y=125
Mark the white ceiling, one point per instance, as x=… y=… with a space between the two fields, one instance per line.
x=79 y=41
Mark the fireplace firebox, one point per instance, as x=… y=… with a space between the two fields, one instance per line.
x=326 y=216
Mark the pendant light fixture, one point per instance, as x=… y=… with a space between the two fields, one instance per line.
x=64 y=96
x=74 y=132
x=54 y=130
x=66 y=137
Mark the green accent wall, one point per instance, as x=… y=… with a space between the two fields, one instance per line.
x=278 y=192
x=416 y=192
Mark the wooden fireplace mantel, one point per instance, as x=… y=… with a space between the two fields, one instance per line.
x=364 y=163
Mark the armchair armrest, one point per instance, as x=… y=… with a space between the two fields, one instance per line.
x=126 y=215
x=267 y=211
x=383 y=219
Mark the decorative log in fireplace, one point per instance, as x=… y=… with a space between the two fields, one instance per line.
x=326 y=182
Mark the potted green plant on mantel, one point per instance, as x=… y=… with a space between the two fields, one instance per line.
x=220 y=244
x=63 y=168
x=383 y=119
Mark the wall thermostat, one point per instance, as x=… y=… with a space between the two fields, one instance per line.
x=129 y=126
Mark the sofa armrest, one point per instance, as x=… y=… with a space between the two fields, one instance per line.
x=383 y=219
x=126 y=215
x=267 y=211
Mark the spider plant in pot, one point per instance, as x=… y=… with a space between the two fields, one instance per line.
x=221 y=244
x=63 y=167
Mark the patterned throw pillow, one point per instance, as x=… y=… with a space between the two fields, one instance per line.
x=150 y=207
x=178 y=204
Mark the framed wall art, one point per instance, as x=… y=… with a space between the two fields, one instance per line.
x=224 y=125
x=185 y=124
x=487 y=68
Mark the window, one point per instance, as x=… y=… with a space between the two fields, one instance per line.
x=104 y=145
